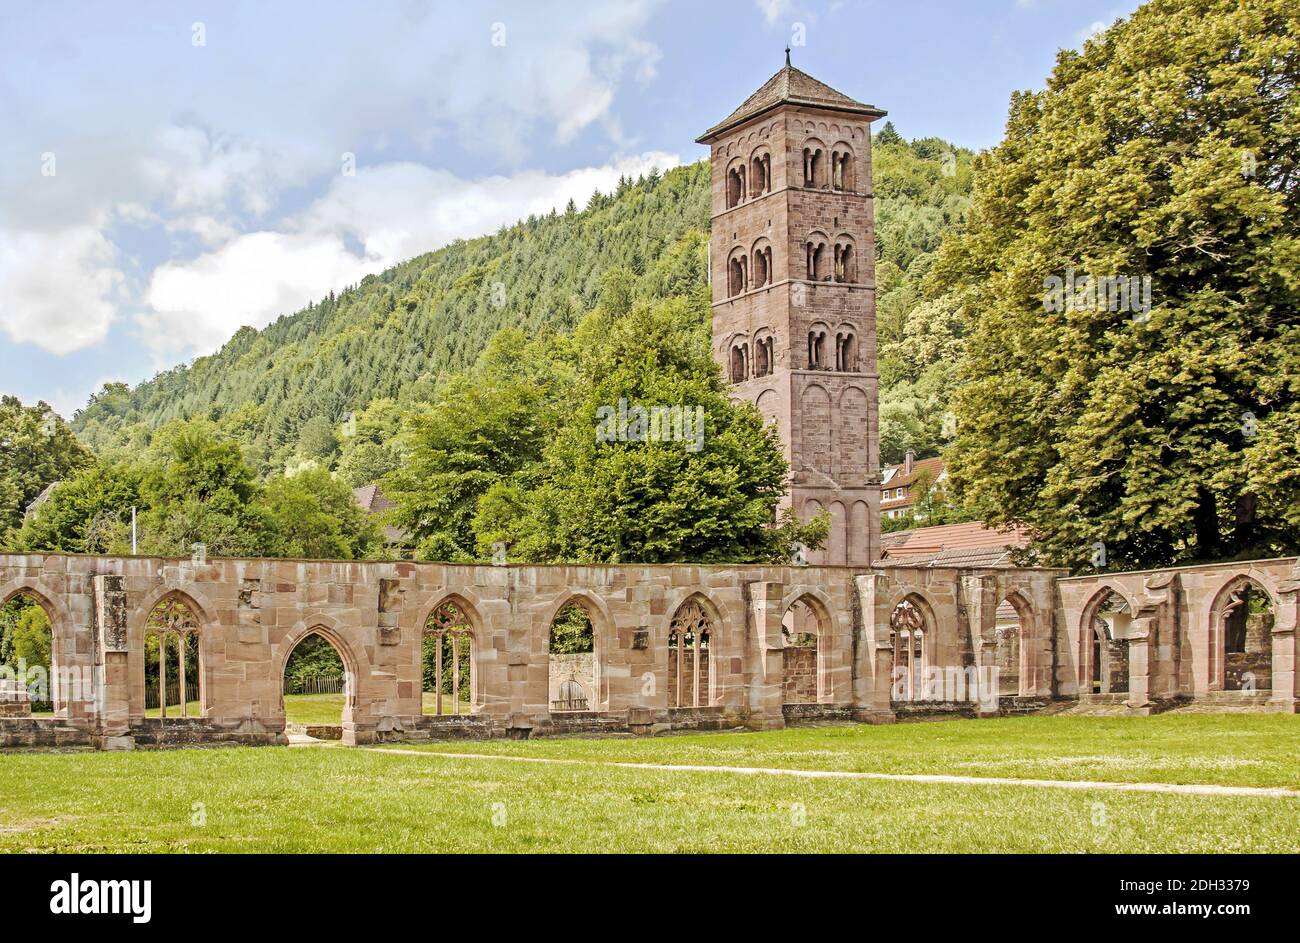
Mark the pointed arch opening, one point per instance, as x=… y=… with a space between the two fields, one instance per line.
x=573 y=673
x=1013 y=647
x=910 y=635
x=1104 y=644
x=174 y=688
x=449 y=669
x=690 y=665
x=1240 y=640
x=805 y=634
x=29 y=676
x=316 y=686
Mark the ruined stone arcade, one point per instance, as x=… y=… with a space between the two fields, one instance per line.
x=249 y=615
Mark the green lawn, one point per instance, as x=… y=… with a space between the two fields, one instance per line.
x=344 y=799
x=1221 y=749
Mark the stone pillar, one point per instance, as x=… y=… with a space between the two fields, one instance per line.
x=112 y=675
x=874 y=657
x=766 y=656
x=1286 y=647
x=1152 y=646
x=979 y=596
x=1141 y=642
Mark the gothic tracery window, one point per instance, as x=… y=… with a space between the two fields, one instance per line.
x=173 y=629
x=448 y=671
x=907 y=637
x=690 y=667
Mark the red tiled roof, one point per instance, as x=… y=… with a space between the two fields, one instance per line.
x=932 y=468
x=970 y=544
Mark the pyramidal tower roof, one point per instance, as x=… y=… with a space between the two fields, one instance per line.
x=789 y=87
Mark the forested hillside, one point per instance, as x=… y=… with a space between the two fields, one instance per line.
x=285 y=392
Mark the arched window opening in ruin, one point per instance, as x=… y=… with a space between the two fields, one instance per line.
x=803 y=631
x=739 y=362
x=814 y=166
x=29 y=681
x=816 y=261
x=735 y=185
x=760 y=174
x=907 y=637
x=316 y=686
x=690 y=667
x=816 y=350
x=572 y=664
x=173 y=664
x=1013 y=647
x=846 y=264
x=449 y=673
x=738 y=275
x=1241 y=638
x=842 y=168
x=846 y=354
x=1103 y=662
x=763 y=357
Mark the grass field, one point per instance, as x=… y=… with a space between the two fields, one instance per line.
x=344 y=799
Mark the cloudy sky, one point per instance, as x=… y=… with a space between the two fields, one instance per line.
x=171 y=171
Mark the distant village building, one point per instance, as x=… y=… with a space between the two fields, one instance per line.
x=373 y=501
x=40 y=499
x=901 y=485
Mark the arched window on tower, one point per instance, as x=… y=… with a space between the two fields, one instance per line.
x=846 y=354
x=739 y=362
x=817 y=261
x=763 y=356
x=816 y=349
x=735 y=185
x=737 y=274
x=762 y=266
x=814 y=166
x=842 y=167
x=760 y=174
x=846 y=262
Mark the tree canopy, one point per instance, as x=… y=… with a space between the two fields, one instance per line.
x=1164 y=155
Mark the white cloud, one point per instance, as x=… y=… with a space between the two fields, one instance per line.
x=392 y=211
x=197 y=305
x=217 y=162
x=58 y=287
x=773 y=10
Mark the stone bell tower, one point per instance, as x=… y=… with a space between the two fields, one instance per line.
x=794 y=318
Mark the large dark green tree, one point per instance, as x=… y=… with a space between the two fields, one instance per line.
x=36 y=449
x=1167 y=149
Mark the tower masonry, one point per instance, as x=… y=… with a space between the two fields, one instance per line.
x=792 y=254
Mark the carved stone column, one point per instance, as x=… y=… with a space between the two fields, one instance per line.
x=766 y=656
x=980 y=601
x=112 y=675
x=873 y=668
